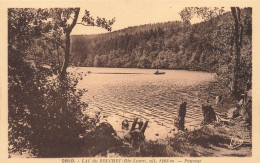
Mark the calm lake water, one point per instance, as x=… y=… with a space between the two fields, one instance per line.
x=126 y=93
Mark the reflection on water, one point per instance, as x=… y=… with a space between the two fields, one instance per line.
x=128 y=93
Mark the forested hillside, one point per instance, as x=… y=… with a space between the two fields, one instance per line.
x=47 y=116
x=203 y=46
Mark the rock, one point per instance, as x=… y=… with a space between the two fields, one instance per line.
x=208 y=114
x=246 y=112
x=104 y=138
x=134 y=124
x=105 y=128
x=219 y=99
x=179 y=123
x=232 y=113
x=136 y=135
x=249 y=93
x=241 y=102
x=125 y=124
x=140 y=124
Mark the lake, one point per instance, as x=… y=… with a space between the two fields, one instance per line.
x=127 y=93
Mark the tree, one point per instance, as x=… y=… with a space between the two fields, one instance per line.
x=98 y=61
x=35 y=93
x=238 y=33
x=62 y=17
x=235 y=40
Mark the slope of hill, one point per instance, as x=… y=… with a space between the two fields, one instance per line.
x=204 y=46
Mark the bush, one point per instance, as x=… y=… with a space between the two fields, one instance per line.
x=45 y=114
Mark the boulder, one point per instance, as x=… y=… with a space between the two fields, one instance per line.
x=105 y=137
x=125 y=124
x=208 y=114
x=136 y=135
x=105 y=128
x=246 y=112
x=233 y=112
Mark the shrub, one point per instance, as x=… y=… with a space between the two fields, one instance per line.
x=45 y=114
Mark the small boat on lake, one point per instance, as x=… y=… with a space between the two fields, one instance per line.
x=159 y=73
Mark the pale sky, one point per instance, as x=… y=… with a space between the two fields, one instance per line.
x=129 y=13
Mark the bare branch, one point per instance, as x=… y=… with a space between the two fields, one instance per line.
x=89 y=25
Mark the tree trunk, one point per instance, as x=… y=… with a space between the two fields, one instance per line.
x=67 y=31
x=180 y=120
x=63 y=73
x=237 y=43
x=66 y=57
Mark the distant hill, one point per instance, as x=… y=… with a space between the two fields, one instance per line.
x=204 y=46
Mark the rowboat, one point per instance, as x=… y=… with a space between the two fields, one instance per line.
x=159 y=73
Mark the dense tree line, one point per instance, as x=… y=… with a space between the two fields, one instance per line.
x=205 y=46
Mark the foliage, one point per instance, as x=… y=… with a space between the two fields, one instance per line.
x=205 y=13
x=232 y=36
x=204 y=46
x=35 y=118
x=45 y=112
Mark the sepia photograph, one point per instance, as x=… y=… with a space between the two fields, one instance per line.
x=129 y=79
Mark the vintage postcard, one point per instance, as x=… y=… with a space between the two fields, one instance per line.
x=118 y=81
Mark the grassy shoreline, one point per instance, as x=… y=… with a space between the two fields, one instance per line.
x=212 y=140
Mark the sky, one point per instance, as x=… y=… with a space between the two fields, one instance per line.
x=130 y=13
